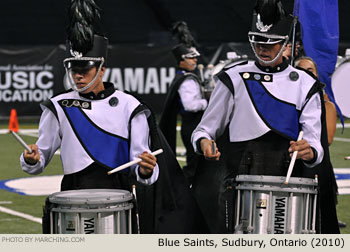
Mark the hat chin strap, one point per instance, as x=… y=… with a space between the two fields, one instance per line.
x=74 y=85
x=269 y=62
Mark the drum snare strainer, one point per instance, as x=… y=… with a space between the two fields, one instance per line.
x=101 y=211
x=266 y=205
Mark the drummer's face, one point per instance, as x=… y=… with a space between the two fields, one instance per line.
x=190 y=63
x=307 y=65
x=268 y=52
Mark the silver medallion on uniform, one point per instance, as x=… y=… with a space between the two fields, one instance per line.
x=113 y=102
x=85 y=105
x=294 y=76
x=257 y=76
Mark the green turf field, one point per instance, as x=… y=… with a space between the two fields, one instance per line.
x=10 y=151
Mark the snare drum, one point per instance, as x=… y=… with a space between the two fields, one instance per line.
x=91 y=211
x=341 y=85
x=265 y=205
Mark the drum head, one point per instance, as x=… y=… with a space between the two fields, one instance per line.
x=341 y=87
x=90 y=196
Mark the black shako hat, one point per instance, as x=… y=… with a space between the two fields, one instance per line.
x=187 y=46
x=270 y=24
x=85 y=48
x=181 y=52
x=83 y=43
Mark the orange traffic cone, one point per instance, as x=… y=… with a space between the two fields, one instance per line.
x=13 y=123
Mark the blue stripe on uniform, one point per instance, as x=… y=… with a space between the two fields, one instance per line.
x=107 y=149
x=278 y=114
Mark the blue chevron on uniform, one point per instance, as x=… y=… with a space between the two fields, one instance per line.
x=102 y=146
x=279 y=115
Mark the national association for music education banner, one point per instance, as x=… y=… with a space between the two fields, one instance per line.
x=31 y=75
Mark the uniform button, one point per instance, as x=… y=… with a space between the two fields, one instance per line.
x=102 y=96
x=294 y=76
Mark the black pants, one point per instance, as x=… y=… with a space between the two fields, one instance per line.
x=189 y=123
x=95 y=177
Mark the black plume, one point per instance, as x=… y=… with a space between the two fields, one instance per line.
x=82 y=15
x=271 y=11
x=180 y=29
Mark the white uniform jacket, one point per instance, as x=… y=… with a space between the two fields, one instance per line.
x=92 y=130
x=263 y=101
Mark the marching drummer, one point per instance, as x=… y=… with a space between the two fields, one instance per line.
x=185 y=97
x=254 y=117
x=264 y=104
x=96 y=127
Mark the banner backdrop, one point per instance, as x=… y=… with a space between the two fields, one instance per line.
x=29 y=76
x=144 y=71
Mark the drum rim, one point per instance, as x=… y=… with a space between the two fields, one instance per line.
x=268 y=188
x=86 y=196
x=275 y=179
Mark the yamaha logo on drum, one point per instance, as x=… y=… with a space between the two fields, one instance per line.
x=280 y=215
x=89 y=226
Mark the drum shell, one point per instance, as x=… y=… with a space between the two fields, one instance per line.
x=341 y=85
x=266 y=205
x=101 y=211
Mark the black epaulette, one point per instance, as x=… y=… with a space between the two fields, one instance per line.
x=191 y=75
x=306 y=71
x=62 y=92
x=226 y=80
x=48 y=103
x=317 y=87
x=234 y=65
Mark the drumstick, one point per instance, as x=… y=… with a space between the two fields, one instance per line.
x=136 y=161
x=213 y=149
x=20 y=140
x=294 y=157
x=137 y=212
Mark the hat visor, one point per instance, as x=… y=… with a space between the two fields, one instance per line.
x=88 y=64
x=265 y=39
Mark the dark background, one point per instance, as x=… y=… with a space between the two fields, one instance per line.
x=42 y=22
x=137 y=29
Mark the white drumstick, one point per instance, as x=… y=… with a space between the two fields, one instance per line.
x=294 y=157
x=136 y=161
x=20 y=140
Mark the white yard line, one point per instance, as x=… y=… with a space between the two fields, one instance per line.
x=346 y=125
x=19 y=214
x=340 y=139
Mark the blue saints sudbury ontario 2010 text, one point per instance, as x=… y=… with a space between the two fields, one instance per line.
x=229 y=242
